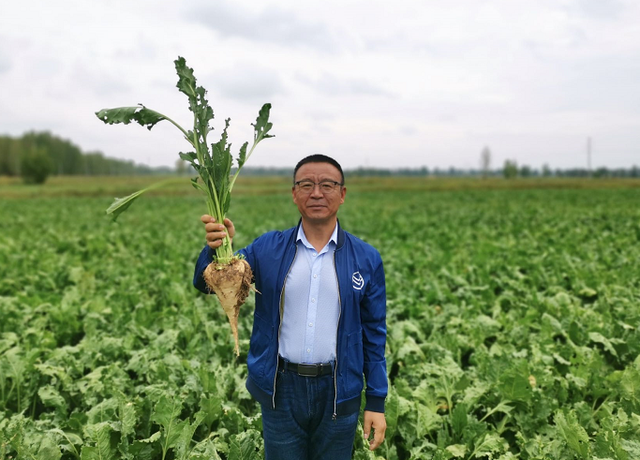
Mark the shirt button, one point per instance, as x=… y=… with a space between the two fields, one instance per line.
x=315 y=275
x=308 y=350
x=310 y=324
x=315 y=254
x=313 y=300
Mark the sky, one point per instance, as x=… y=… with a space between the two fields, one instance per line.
x=401 y=84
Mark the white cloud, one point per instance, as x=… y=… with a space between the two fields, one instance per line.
x=331 y=85
x=267 y=23
x=247 y=82
x=387 y=83
x=5 y=63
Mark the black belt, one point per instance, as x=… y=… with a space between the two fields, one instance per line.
x=305 y=370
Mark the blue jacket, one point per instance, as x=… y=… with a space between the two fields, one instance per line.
x=362 y=327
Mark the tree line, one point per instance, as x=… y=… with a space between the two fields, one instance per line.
x=510 y=170
x=36 y=155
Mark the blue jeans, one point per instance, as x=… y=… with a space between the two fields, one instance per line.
x=302 y=426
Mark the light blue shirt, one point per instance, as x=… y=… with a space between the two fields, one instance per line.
x=311 y=304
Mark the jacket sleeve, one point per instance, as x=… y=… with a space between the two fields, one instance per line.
x=373 y=314
x=205 y=258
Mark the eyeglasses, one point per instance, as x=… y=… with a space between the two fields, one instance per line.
x=326 y=186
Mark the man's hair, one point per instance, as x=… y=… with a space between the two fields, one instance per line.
x=318 y=158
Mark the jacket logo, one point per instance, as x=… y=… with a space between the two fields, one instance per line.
x=357 y=280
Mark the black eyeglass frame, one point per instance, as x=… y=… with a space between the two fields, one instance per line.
x=334 y=183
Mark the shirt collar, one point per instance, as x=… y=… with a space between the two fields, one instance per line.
x=303 y=238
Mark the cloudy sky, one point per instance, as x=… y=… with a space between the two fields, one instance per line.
x=372 y=83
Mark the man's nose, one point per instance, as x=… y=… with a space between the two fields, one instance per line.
x=316 y=192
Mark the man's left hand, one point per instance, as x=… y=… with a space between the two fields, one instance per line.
x=376 y=421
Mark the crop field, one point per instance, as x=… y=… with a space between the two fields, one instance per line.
x=513 y=323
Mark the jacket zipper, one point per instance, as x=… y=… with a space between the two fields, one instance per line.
x=335 y=369
x=281 y=313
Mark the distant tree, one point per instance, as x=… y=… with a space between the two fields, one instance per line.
x=35 y=165
x=546 y=170
x=65 y=156
x=510 y=169
x=601 y=172
x=526 y=171
x=9 y=156
x=181 y=167
x=485 y=161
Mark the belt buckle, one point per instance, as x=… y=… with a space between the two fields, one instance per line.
x=308 y=370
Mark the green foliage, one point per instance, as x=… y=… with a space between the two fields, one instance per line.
x=63 y=157
x=573 y=433
x=510 y=169
x=512 y=327
x=213 y=165
x=35 y=166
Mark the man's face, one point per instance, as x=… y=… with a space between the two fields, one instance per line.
x=316 y=205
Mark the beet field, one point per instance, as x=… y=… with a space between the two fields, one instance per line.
x=513 y=322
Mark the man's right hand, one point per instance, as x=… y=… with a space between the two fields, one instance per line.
x=216 y=232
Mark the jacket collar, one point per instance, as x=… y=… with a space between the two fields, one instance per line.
x=341 y=234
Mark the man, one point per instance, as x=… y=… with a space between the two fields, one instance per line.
x=319 y=323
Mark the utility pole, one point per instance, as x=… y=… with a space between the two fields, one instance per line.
x=589 y=155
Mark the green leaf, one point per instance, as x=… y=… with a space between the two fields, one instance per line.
x=226 y=203
x=50 y=397
x=71 y=438
x=588 y=292
x=186 y=80
x=514 y=384
x=198 y=103
x=189 y=156
x=153 y=438
x=632 y=447
x=457 y=450
x=607 y=444
x=48 y=450
x=103 y=441
x=221 y=156
x=573 y=433
x=100 y=434
x=392 y=408
x=630 y=385
x=599 y=338
x=492 y=443
x=120 y=205
x=205 y=450
x=211 y=406
x=198 y=186
x=140 y=114
x=242 y=155
x=183 y=444
x=91 y=453
x=246 y=446
x=262 y=125
x=140 y=450
x=459 y=419
x=166 y=413
x=127 y=414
